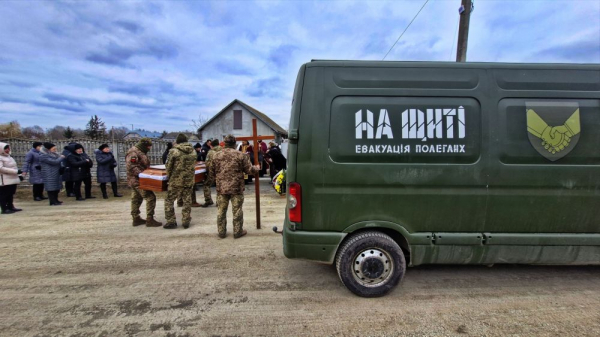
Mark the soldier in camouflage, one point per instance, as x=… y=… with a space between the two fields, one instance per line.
x=208 y=183
x=181 y=165
x=227 y=169
x=137 y=161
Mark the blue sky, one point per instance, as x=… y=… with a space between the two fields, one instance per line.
x=158 y=65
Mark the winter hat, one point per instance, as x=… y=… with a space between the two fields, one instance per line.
x=49 y=145
x=102 y=147
x=181 y=138
x=78 y=146
x=197 y=146
x=229 y=140
x=144 y=144
x=36 y=144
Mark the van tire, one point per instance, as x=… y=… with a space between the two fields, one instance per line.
x=374 y=252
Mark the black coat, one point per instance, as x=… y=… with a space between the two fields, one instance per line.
x=279 y=161
x=66 y=176
x=203 y=152
x=80 y=166
x=105 y=172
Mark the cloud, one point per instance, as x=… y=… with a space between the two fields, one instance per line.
x=281 y=55
x=160 y=64
x=578 y=51
x=233 y=68
x=21 y=84
x=59 y=106
x=129 y=26
x=118 y=55
x=131 y=90
x=269 y=87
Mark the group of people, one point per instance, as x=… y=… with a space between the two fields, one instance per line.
x=226 y=166
x=47 y=169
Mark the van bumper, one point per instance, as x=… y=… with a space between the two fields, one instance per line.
x=314 y=246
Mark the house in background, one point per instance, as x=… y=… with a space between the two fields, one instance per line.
x=171 y=136
x=236 y=119
x=138 y=134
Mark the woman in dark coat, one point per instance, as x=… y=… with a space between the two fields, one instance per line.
x=66 y=176
x=80 y=172
x=105 y=172
x=51 y=161
x=278 y=161
x=33 y=169
x=166 y=153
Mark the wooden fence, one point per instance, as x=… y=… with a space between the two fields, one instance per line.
x=20 y=147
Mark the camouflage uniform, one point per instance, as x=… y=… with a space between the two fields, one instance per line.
x=180 y=167
x=208 y=183
x=228 y=167
x=137 y=161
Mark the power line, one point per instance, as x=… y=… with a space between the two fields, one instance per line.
x=405 y=29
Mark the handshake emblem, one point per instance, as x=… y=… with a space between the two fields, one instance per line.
x=553 y=138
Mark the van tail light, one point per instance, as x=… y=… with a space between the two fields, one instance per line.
x=295 y=202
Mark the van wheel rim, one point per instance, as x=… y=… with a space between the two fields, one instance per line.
x=372 y=267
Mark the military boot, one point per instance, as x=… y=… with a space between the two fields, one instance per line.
x=152 y=223
x=239 y=235
x=138 y=221
x=172 y=225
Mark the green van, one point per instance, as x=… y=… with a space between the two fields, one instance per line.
x=395 y=164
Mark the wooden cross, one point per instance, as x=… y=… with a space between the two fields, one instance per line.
x=255 y=138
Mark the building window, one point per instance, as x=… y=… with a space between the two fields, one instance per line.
x=237 y=119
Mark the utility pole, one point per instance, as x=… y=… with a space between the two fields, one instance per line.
x=463 y=31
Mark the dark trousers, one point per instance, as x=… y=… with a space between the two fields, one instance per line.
x=6 y=197
x=272 y=171
x=53 y=197
x=38 y=191
x=88 y=187
x=114 y=188
x=69 y=187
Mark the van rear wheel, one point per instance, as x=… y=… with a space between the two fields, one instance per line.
x=370 y=264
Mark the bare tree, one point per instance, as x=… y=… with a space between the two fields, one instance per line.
x=78 y=133
x=57 y=132
x=11 y=130
x=198 y=123
x=34 y=132
x=118 y=132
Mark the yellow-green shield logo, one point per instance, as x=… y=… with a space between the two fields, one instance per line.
x=553 y=128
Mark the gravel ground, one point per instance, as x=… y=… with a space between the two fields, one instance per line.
x=82 y=270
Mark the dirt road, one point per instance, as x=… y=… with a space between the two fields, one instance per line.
x=81 y=269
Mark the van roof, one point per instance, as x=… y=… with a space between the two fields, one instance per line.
x=438 y=64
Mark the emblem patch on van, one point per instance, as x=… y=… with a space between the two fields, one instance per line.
x=553 y=128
